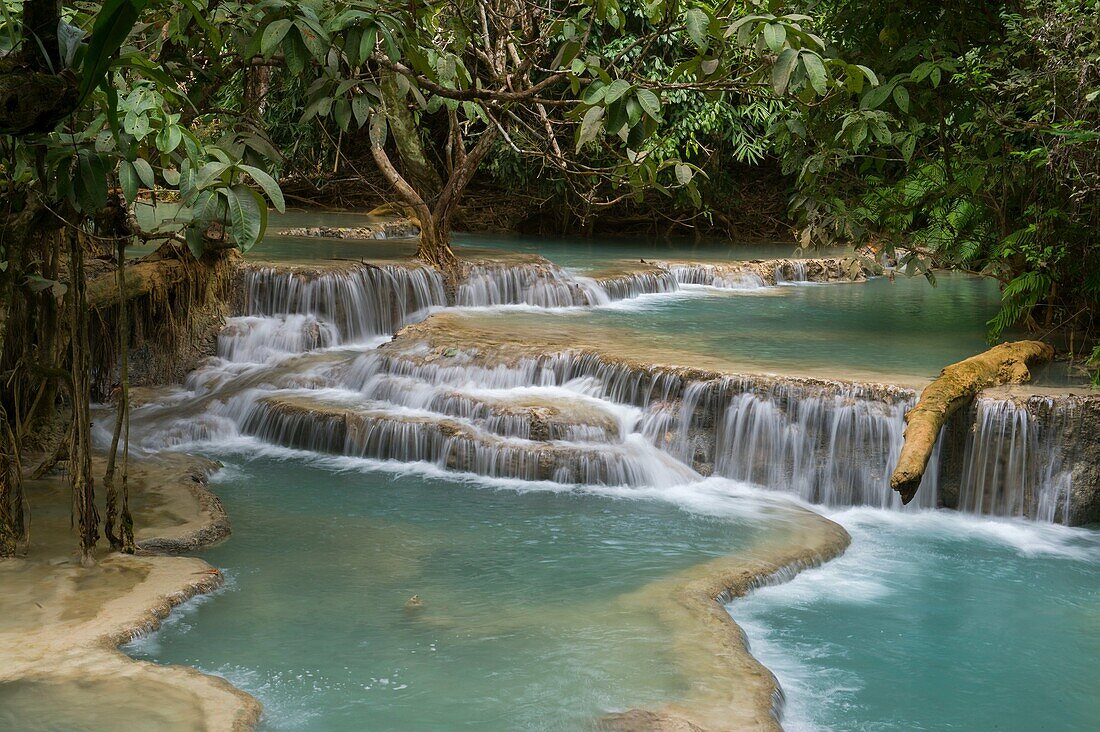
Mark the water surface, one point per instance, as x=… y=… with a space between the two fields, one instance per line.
x=937 y=621
x=523 y=625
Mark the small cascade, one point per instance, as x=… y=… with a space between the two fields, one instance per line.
x=357 y=303
x=253 y=339
x=384 y=433
x=790 y=271
x=635 y=284
x=711 y=276
x=1012 y=465
x=538 y=285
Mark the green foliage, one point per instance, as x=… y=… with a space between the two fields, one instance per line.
x=136 y=126
x=980 y=150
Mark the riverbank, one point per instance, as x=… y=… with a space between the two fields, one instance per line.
x=61 y=623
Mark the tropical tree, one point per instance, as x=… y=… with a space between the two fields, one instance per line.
x=979 y=151
x=547 y=81
x=99 y=104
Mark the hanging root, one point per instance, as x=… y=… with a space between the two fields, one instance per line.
x=80 y=448
x=13 y=527
x=956 y=386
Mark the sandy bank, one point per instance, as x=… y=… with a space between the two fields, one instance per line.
x=61 y=623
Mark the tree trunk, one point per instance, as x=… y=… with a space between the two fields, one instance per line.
x=956 y=386
x=415 y=166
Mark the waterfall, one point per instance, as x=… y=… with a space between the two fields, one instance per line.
x=790 y=271
x=635 y=284
x=574 y=417
x=539 y=285
x=547 y=286
x=711 y=276
x=254 y=339
x=356 y=303
x=1012 y=465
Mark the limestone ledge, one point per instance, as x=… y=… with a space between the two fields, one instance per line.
x=61 y=623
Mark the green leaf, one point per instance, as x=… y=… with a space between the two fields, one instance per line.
x=245 y=216
x=269 y=185
x=874 y=98
x=360 y=107
x=145 y=172
x=815 y=71
x=113 y=23
x=775 y=35
x=127 y=178
x=650 y=102
x=590 y=126
x=616 y=90
x=683 y=174
x=91 y=183
x=312 y=40
x=901 y=98
x=366 y=46
x=781 y=72
x=342 y=113
x=696 y=21
x=273 y=35
x=169 y=138
x=208 y=173
x=379 y=130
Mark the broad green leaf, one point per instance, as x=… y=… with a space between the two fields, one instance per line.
x=781 y=72
x=696 y=22
x=775 y=35
x=208 y=173
x=683 y=174
x=273 y=35
x=367 y=44
x=269 y=185
x=145 y=172
x=379 y=130
x=901 y=98
x=874 y=98
x=245 y=217
x=128 y=180
x=360 y=107
x=169 y=138
x=650 y=102
x=590 y=126
x=616 y=90
x=815 y=71
x=341 y=112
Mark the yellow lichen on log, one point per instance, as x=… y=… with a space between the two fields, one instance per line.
x=956 y=386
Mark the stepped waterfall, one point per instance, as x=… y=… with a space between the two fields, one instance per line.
x=300 y=367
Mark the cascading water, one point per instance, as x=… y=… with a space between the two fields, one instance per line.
x=709 y=275
x=791 y=271
x=1012 y=466
x=564 y=417
x=357 y=303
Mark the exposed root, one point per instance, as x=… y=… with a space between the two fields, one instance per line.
x=956 y=386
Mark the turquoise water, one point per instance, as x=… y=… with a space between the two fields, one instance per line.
x=524 y=623
x=577 y=252
x=594 y=253
x=904 y=327
x=935 y=622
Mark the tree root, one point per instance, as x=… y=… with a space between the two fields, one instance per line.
x=956 y=386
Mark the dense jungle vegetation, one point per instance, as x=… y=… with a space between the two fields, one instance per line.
x=960 y=135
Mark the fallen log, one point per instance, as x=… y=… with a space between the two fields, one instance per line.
x=142 y=278
x=956 y=386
